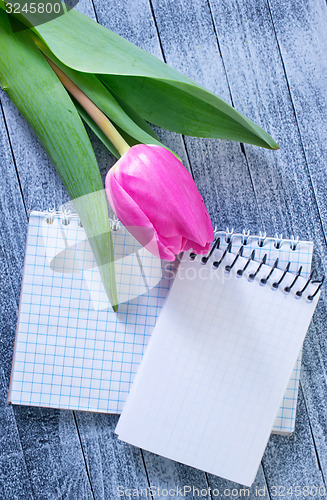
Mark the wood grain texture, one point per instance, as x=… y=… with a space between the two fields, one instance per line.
x=13 y=223
x=53 y=463
x=282 y=181
x=285 y=454
x=300 y=28
x=189 y=44
x=13 y=226
x=303 y=51
x=14 y=480
x=268 y=58
x=111 y=462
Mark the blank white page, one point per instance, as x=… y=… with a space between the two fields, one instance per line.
x=217 y=365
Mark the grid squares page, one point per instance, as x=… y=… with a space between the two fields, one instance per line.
x=298 y=255
x=218 y=362
x=71 y=350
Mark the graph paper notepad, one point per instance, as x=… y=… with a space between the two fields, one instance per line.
x=71 y=350
x=299 y=255
x=210 y=383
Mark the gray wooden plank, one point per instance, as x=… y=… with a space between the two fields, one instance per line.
x=52 y=453
x=166 y=475
x=14 y=479
x=40 y=183
x=314 y=383
x=282 y=180
x=283 y=452
x=12 y=246
x=112 y=464
x=259 y=88
x=52 y=462
x=13 y=216
x=229 y=183
x=223 y=488
x=49 y=440
x=301 y=32
x=132 y=20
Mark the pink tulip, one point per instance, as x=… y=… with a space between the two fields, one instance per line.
x=150 y=190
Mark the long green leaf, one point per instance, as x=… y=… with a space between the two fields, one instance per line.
x=40 y=97
x=103 y=99
x=96 y=129
x=172 y=108
x=136 y=117
x=98 y=132
x=156 y=91
x=148 y=85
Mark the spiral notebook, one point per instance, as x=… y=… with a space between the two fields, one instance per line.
x=71 y=350
x=218 y=362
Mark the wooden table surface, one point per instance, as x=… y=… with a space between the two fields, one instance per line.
x=268 y=58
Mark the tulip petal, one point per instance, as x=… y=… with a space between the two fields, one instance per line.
x=150 y=188
x=134 y=219
x=169 y=197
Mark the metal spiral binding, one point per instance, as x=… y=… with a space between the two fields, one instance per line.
x=240 y=272
x=115 y=223
x=239 y=254
x=245 y=237
x=50 y=216
x=276 y=284
x=253 y=275
x=262 y=239
x=217 y=263
x=66 y=216
x=263 y=281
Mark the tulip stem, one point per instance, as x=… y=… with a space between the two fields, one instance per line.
x=93 y=111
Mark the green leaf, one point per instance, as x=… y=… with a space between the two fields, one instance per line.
x=154 y=90
x=103 y=99
x=136 y=117
x=96 y=129
x=172 y=108
x=98 y=132
x=40 y=97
